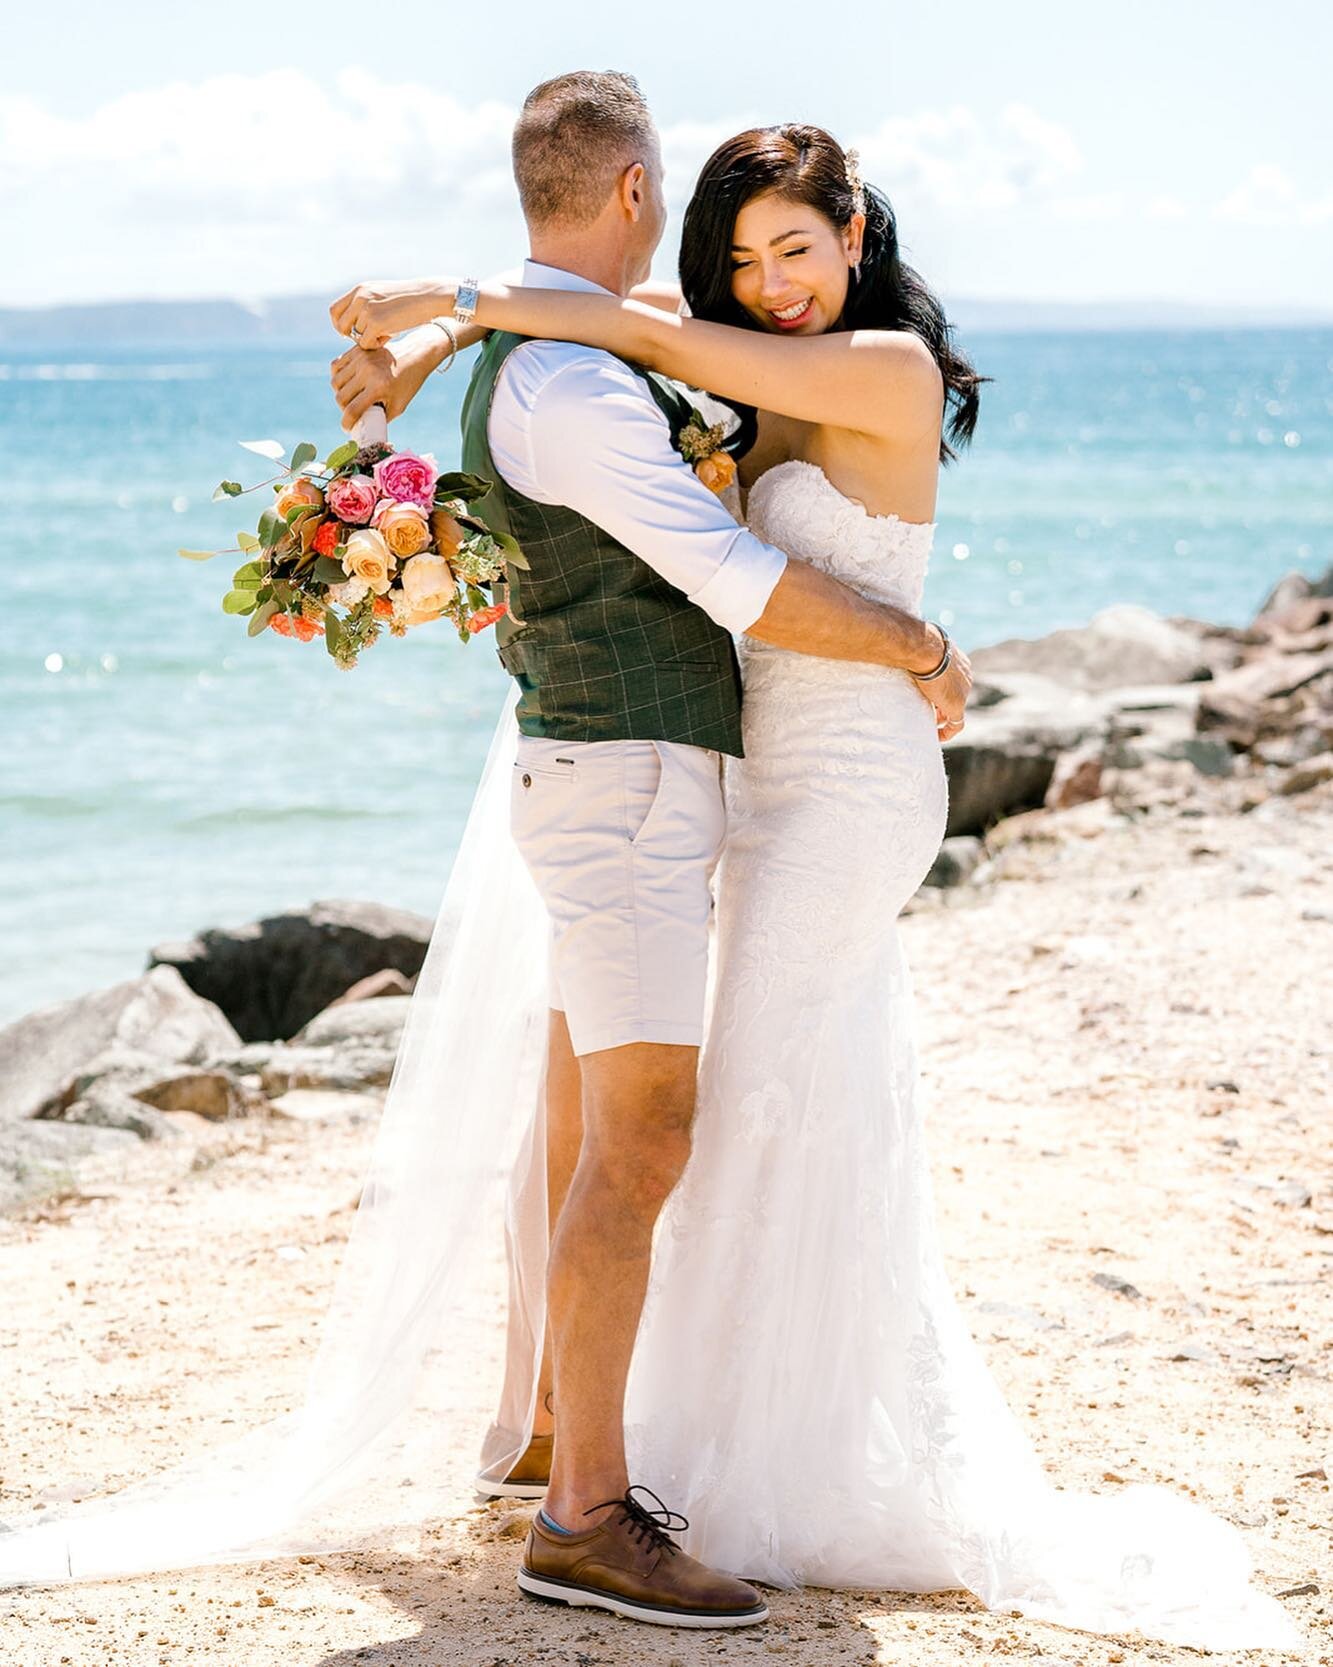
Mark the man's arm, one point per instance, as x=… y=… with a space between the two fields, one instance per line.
x=596 y=442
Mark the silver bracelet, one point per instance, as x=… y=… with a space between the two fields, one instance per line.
x=465 y=301
x=946 y=659
x=446 y=364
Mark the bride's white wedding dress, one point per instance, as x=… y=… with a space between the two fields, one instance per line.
x=803 y=1387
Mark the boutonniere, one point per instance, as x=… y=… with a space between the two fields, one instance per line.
x=702 y=445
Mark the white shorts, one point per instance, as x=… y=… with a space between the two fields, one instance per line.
x=621 y=838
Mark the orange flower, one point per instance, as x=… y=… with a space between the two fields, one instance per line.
x=446 y=532
x=282 y=624
x=487 y=616
x=296 y=492
x=326 y=536
x=382 y=608
x=306 y=628
x=716 y=471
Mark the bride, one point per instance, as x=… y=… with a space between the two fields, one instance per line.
x=803 y=1386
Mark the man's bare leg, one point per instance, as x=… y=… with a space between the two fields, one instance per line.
x=563 y=1089
x=638 y=1105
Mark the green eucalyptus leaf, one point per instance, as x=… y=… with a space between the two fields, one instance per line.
x=333 y=631
x=197 y=555
x=227 y=489
x=247 y=541
x=272 y=528
x=513 y=551
x=341 y=454
x=329 y=572
x=304 y=453
x=461 y=485
x=239 y=602
x=265 y=448
x=260 y=618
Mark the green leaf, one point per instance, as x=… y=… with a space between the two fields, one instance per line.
x=265 y=448
x=304 y=453
x=197 y=555
x=272 y=528
x=341 y=454
x=247 y=541
x=228 y=489
x=513 y=551
x=260 y=618
x=461 y=485
x=333 y=631
x=300 y=512
x=283 y=591
x=239 y=602
x=328 y=571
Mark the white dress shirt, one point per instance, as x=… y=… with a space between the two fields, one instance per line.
x=574 y=425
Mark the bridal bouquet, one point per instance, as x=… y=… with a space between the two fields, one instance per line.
x=376 y=533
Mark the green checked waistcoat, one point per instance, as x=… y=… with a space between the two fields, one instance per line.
x=602 y=647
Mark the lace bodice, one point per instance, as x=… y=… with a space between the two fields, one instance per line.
x=797 y=507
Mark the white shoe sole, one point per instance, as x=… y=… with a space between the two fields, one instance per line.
x=509 y=1490
x=583 y=1597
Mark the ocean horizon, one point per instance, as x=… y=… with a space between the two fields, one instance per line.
x=166 y=774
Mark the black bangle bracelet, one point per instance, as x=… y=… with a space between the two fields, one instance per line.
x=945 y=658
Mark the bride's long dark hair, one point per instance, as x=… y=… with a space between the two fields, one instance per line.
x=808 y=165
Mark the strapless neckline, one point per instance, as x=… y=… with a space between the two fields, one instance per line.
x=822 y=477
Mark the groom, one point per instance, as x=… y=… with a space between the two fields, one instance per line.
x=621 y=643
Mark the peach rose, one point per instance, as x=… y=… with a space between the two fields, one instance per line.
x=299 y=492
x=447 y=533
x=403 y=526
x=369 y=558
x=716 y=471
x=428 y=585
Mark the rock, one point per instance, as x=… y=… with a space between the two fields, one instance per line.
x=1236 y=705
x=107 y=1106
x=387 y=982
x=379 y=1020
x=1121 y=645
x=1295 y=587
x=1305 y=776
x=156 y=1016
x=273 y=975
x=1121 y=1287
x=1077 y=778
x=349 y=1068
x=958 y=860
x=39 y=1158
x=214 y=1094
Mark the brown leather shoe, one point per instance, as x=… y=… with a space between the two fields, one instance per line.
x=527 y=1478
x=630 y=1565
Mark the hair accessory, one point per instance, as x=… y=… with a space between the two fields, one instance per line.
x=853 y=166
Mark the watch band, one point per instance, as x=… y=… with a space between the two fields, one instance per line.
x=465 y=302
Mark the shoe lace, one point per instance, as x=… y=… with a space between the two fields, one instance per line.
x=651 y=1527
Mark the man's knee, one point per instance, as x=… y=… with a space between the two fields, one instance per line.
x=638 y=1112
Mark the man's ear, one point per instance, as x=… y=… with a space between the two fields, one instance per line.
x=633 y=183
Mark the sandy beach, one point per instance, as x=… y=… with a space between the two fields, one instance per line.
x=1126 y=1049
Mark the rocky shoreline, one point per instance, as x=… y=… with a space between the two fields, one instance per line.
x=1130 y=718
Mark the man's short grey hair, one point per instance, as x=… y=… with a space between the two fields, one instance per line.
x=575 y=136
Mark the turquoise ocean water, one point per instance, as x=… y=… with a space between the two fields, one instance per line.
x=163 y=773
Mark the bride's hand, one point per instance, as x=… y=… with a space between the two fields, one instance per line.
x=372 y=312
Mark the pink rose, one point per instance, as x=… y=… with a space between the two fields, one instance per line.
x=352 y=499
x=408 y=478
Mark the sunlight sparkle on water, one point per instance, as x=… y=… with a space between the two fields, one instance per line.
x=54 y=662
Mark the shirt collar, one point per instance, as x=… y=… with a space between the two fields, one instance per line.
x=538 y=276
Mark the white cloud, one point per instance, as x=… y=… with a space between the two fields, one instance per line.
x=1267 y=196
x=954 y=159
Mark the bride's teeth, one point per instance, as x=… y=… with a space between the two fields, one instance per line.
x=792 y=312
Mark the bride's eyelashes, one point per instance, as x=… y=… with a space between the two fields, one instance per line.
x=740 y=265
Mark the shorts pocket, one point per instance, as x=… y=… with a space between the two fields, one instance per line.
x=644 y=780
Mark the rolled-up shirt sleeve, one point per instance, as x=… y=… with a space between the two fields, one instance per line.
x=597 y=442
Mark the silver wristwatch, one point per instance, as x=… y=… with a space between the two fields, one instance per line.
x=465 y=303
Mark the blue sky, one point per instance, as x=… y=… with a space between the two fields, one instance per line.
x=1032 y=149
